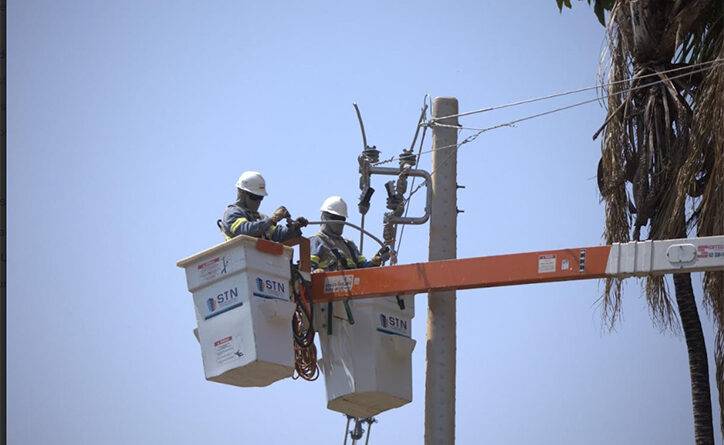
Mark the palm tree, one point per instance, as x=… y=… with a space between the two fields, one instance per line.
x=662 y=161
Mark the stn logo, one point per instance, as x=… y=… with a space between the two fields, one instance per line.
x=394 y=325
x=270 y=286
x=273 y=289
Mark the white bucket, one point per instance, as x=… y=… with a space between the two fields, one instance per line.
x=367 y=365
x=243 y=303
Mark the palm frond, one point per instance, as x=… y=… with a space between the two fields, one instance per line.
x=662 y=149
x=611 y=167
x=705 y=172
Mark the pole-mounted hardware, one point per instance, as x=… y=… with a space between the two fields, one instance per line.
x=370 y=155
x=396 y=189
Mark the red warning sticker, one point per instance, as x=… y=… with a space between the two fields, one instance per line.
x=713 y=251
x=213 y=268
x=227 y=350
x=208 y=263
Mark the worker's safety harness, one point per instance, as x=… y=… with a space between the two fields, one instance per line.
x=341 y=261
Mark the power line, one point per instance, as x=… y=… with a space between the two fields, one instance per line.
x=433 y=123
x=580 y=90
x=555 y=110
x=512 y=123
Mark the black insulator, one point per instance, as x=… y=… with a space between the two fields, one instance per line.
x=364 y=200
x=372 y=154
x=390 y=187
x=407 y=157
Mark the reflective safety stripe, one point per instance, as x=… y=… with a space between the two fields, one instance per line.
x=361 y=258
x=314 y=258
x=271 y=230
x=324 y=264
x=350 y=262
x=236 y=224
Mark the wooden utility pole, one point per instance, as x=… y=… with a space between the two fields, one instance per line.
x=441 y=323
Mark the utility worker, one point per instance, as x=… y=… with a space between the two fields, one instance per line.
x=243 y=218
x=329 y=251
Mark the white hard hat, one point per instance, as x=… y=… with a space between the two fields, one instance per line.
x=252 y=182
x=335 y=205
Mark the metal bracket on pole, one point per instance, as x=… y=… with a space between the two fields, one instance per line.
x=428 y=199
x=396 y=201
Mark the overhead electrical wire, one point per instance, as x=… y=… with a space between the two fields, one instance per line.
x=512 y=123
x=580 y=90
x=432 y=123
x=435 y=121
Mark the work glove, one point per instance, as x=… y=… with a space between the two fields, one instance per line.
x=303 y=222
x=318 y=270
x=295 y=228
x=279 y=214
x=381 y=256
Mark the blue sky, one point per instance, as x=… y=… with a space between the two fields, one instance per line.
x=128 y=125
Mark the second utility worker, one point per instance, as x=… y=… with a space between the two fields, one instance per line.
x=243 y=217
x=329 y=251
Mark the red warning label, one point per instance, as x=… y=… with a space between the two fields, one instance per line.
x=714 y=251
x=208 y=263
x=211 y=269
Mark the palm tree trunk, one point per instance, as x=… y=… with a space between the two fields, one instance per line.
x=698 y=365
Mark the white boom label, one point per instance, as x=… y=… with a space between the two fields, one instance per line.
x=343 y=283
x=546 y=263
